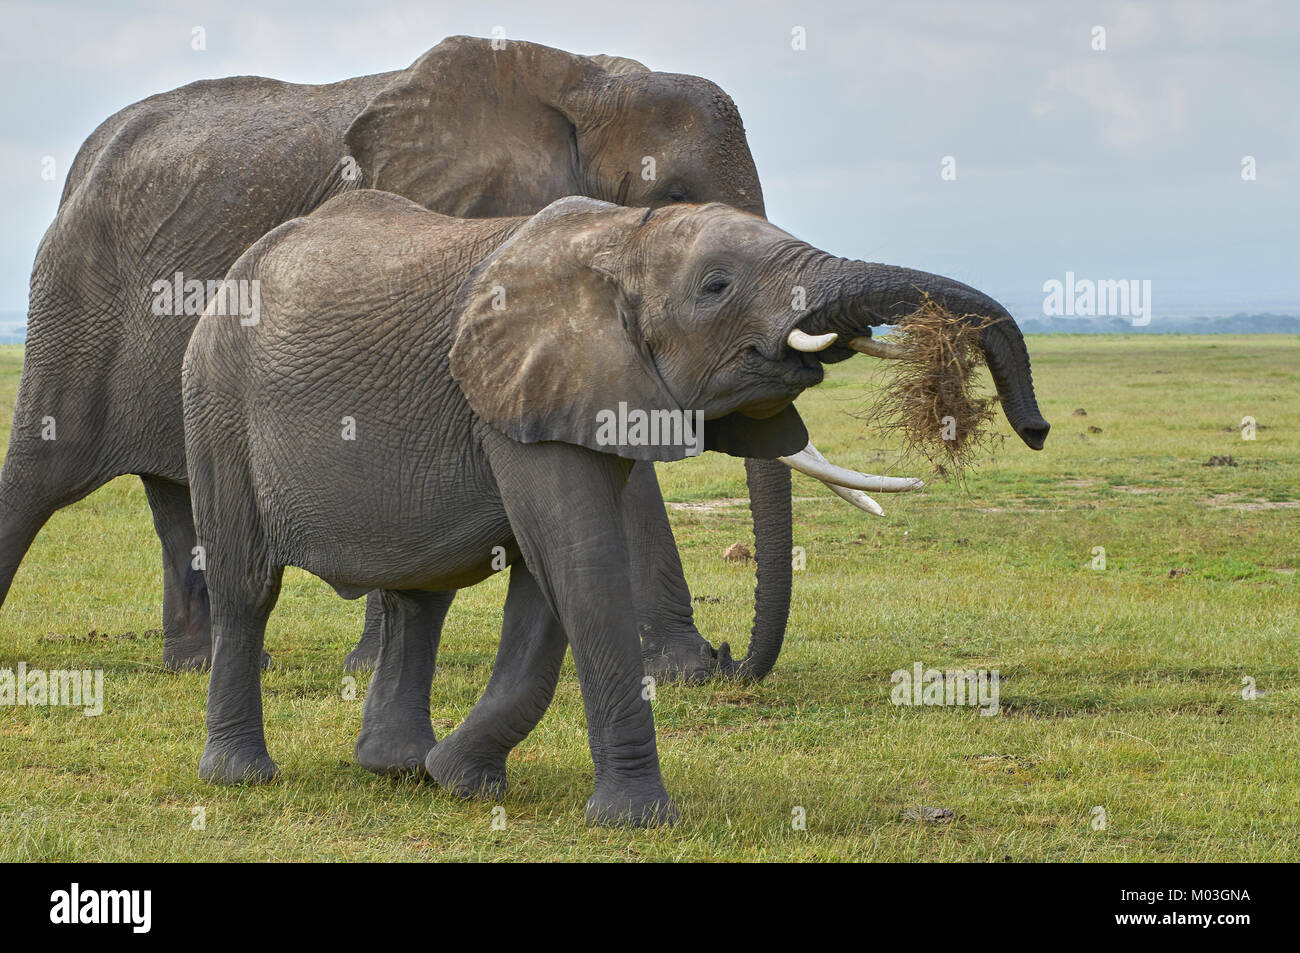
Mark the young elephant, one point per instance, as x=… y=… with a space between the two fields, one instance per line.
x=420 y=392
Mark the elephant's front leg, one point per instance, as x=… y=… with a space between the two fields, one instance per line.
x=396 y=734
x=564 y=505
x=671 y=645
x=471 y=761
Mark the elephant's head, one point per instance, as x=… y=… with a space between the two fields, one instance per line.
x=590 y=308
x=474 y=131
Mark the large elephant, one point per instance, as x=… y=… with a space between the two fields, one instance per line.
x=478 y=365
x=170 y=191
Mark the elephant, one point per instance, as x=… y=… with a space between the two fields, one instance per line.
x=478 y=364
x=166 y=194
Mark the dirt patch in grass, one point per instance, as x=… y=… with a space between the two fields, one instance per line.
x=724 y=503
x=1004 y=763
x=1237 y=501
x=1013 y=509
x=94 y=635
x=928 y=815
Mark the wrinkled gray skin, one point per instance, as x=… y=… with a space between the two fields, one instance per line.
x=187 y=180
x=476 y=428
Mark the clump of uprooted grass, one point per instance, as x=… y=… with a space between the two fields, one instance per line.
x=929 y=396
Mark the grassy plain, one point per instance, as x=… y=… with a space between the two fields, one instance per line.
x=1121 y=688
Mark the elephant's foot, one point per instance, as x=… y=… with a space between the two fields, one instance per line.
x=186 y=661
x=247 y=764
x=395 y=751
x=683 y=656
x=364 y=656
x=467 y=773
x=652 y=808
x=190 y=651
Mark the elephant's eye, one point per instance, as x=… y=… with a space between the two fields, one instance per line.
x=676 y=194
x=716 y=284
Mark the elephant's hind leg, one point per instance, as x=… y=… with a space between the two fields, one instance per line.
x=367 y=651
x=21 y=518
x=236 y=747
x=55 y=457
x=187 y=623
x=243 y=586
x=396 y=733
x=471 y=761
x=187 y=633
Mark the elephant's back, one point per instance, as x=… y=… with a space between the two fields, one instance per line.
x=193 y=176
x=369 y=258
x=361 y=290
x=243 y=115
x=352 y=311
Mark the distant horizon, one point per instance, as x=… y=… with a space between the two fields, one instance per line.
x=1209 y=321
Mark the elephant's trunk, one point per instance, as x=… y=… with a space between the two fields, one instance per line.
x=773 y=518
x=853 y=296
x=1008 y=360
x=769 y=503
x=850 y=297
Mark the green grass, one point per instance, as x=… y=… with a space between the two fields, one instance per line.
x=1120 y=687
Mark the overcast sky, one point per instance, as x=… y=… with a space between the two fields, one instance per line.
x=1117 y=164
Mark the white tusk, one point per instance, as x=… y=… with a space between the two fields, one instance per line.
x=865 y=345
x=852 y=497
x=809 y=461
x=811 y=342
x=856 y=498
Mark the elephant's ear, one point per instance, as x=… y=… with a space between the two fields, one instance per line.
x=473 y=131
x=546 y=344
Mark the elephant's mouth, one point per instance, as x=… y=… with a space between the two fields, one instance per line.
x=800 y=370
x=766 y=386
x=792 y=370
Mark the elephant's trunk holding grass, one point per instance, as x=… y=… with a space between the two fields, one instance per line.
x=845 y=300
x=478 y=361
x=852 y=296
